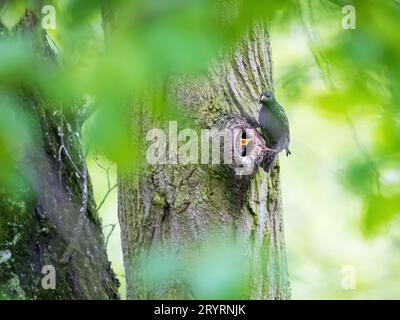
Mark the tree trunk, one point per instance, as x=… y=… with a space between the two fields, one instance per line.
x=53 y=220
x=179 y=206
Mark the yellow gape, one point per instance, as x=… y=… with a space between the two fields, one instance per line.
x=244 y=142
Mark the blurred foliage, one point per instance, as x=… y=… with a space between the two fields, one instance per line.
x=362 y=76
x=204 y=270
x=12 y=148
x=145 y=41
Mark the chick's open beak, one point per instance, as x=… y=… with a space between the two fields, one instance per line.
x=244 y=142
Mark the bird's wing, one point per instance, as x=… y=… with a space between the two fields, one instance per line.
x=285 y=121
x=279 y=129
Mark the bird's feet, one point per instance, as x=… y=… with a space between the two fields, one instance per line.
x=269 y=149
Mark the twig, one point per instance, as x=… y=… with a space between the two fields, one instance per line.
x=112 y=225
x=110 y=188
x=106 y=196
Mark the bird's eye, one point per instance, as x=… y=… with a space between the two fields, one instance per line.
x=265 y=96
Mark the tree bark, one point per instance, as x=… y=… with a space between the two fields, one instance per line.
x=181 y=205
x=53 y=219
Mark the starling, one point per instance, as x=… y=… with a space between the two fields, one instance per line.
x=274 y=128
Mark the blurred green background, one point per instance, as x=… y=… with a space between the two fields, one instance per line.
x=340 y=88
x=341 y=186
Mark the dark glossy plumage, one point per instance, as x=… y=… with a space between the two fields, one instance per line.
x=274 y=128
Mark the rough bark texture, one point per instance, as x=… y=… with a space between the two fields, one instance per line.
x=176 y=205
x=53 y=220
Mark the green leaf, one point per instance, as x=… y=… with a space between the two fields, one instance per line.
x=12 y=13
x=378 y=212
